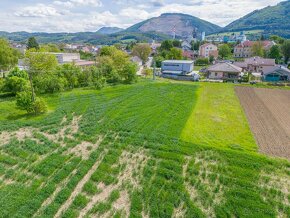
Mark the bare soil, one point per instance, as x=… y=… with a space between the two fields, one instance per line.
x=268 y=112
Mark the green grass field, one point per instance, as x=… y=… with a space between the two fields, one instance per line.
x=153 y=149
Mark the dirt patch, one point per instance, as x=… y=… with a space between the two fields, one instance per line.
x=5 y=137
x=6 y=181
x=80 y=186
x=66 y=132
x=276 y=187
x=179 y=212
x=133 y=164
x=268 y=112
x=85 y=149
x=21 y=134
x=123 y=204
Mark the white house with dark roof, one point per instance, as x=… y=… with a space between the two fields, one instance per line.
x=224 y=70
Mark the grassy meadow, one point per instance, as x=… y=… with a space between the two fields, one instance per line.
x=152 y=149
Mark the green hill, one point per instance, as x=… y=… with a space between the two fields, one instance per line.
x=109 y=30
x=84 y=37
x=272 y=20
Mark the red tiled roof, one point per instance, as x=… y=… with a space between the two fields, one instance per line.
x=251 y=43
x=207 y=44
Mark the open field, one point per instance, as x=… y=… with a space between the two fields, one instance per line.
x=125 y=151
x=268 y=112
x=218 y=120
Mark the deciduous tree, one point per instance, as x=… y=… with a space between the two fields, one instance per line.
x=224 y=51
x=286 y=50
x=275 y=53
x=8 y=55
x=258 y=49
x=142 y=51
x=32 y=43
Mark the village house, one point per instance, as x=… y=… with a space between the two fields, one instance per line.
x=223 y=71
x=276 y=74
x=255 y=65
x=245 y=49
x=207 y=50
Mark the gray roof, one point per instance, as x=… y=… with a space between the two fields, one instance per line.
x=178 y=61
x=276 y=69
x=241 y=64
x=260 y=61
x=225 y=67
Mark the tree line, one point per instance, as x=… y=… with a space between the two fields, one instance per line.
x=43 y=74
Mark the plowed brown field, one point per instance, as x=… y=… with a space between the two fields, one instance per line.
x=268 y=112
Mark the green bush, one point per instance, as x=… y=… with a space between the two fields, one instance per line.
x=24 y=102
x=202 y=62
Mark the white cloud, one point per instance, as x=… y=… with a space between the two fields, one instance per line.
x=39 y=10
x=135 y=13
x=90 y=15
x=75 y=3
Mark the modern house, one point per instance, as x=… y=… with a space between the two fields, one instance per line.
x=245 y=49
x=207 y=50
x=276 y=74
x=224 y=70
x=177 y=67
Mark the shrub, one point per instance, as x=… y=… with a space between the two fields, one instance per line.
x=147 y=72
x=202 y=61
x=24 y=102
x=98 y=80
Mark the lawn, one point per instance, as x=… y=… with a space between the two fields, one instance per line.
x=157 y=149
x=218 y=119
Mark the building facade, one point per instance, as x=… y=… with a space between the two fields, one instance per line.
x=177 y=67
x=207 y=50
x=63 y=58
x=245 y=49
x=256 y=65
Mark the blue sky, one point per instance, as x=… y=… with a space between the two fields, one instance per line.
x=90 y=15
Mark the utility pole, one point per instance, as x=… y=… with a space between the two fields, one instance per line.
x=32 y=88
x=27 y=68
x=154 y=69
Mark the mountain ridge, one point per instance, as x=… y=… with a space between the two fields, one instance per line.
x=184 y=24
x=271 y=19
x=109 y=30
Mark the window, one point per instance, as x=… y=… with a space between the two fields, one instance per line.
x=216 y=74
x=171 y=65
